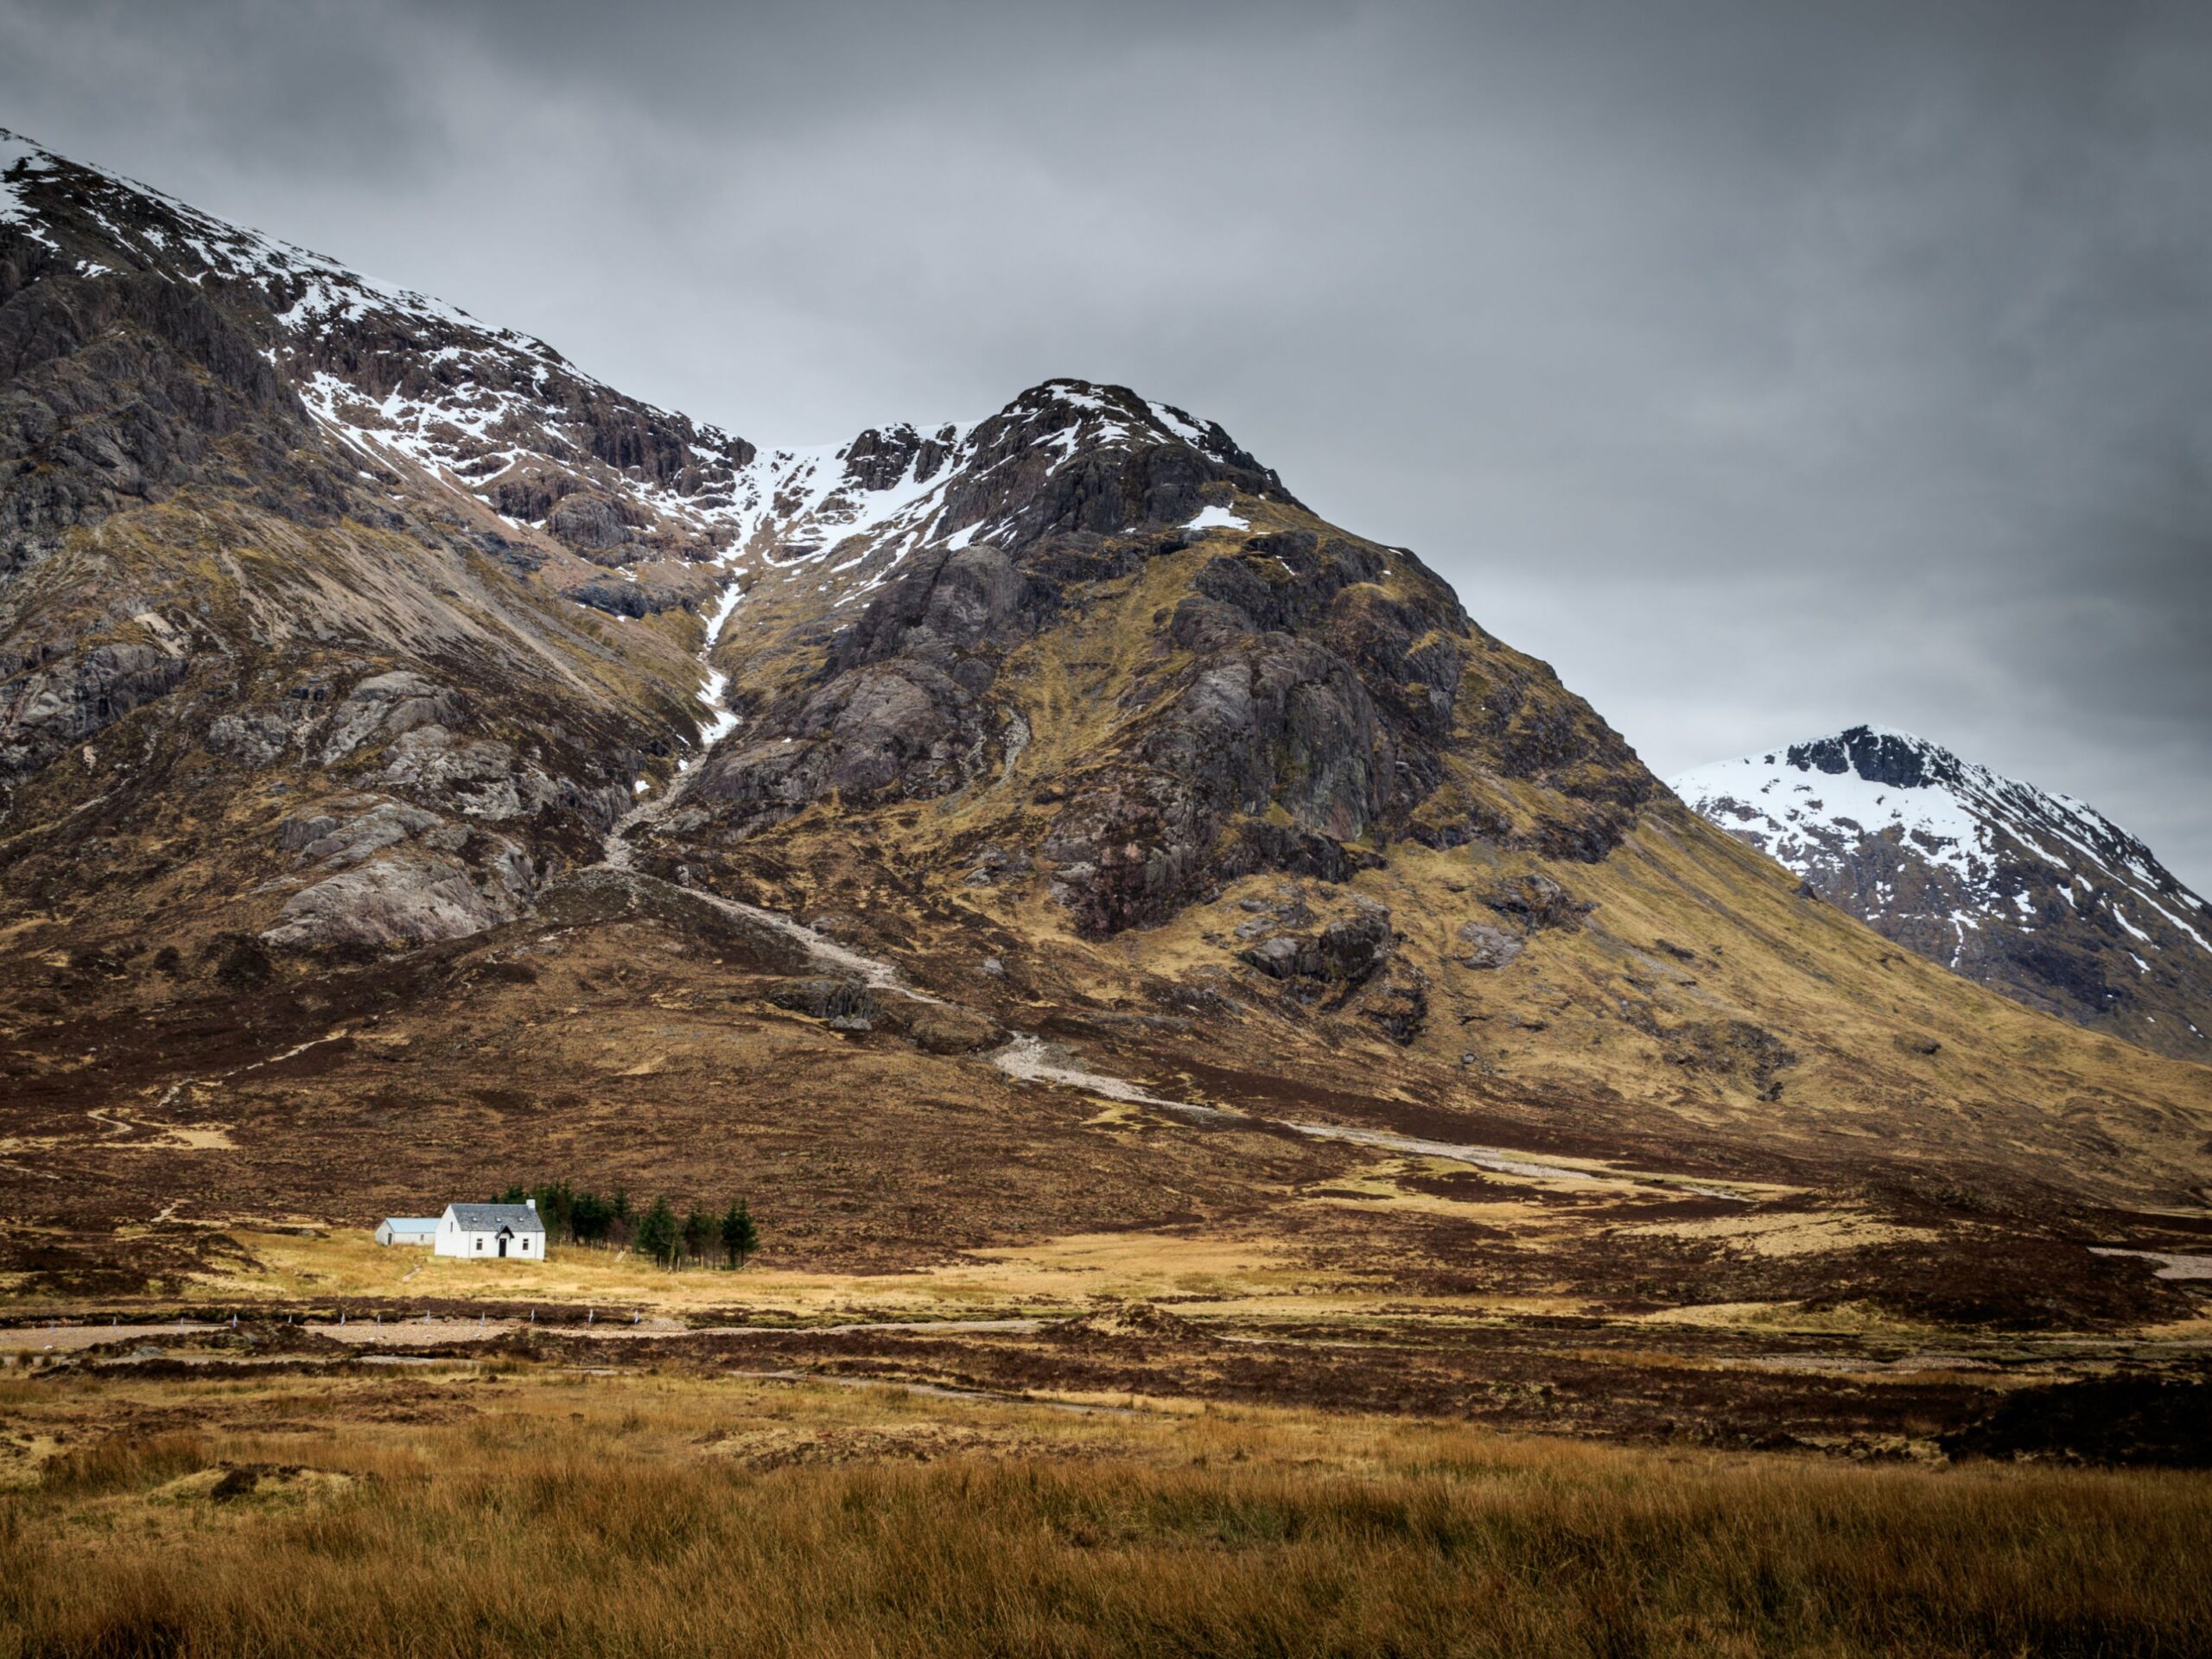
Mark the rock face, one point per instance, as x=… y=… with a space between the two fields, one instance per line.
x=1346 y=952
x=1293 y=699
x=2036 y=894
x=250 y=559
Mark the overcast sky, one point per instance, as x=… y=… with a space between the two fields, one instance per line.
x=1767 y=367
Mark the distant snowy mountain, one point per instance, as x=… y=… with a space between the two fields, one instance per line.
x=2037 y=894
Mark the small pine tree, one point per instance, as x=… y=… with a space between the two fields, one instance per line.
x=623 y=1228
x=698 y=1234
x=556 y=1209
x=590 y=1217
x=657 y=1234
x=740 y=1236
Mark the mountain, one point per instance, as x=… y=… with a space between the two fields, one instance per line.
x=2037 y=895
x=420 y=761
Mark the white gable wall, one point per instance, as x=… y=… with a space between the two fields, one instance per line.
x=480 y=1245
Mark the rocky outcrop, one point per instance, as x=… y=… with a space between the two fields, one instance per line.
x=901 y=709
x=601 y=895
x=1349 y=966
x=888 y=731
x=1346 y=952
x=252 y=739
x=1735 y=1049
x=623 y=596
x=115 y=389
x=589 y=523
x=1069 y=459
x=1273 y=723
x=386 y=706
x=369 y=827
x=1481 y=945
x=391 y=902
x=62 y=703
x=847 y=1005
x=393 y=874
x=842 y=1004
x=1535 y=902
x=940 y=1028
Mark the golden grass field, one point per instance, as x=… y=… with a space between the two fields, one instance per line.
x=491 y=1508
x=1051 y=1275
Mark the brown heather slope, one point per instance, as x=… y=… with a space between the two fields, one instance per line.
x=1074 y=718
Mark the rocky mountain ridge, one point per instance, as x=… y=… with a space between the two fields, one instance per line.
x=2035 y=893
x=894 y=574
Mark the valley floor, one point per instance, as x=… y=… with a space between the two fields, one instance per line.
x=659 y=1504
x=1222 y=1317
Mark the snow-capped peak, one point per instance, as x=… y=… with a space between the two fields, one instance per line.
x=1069 y=414
x=1875 y=779
x=2026 y=888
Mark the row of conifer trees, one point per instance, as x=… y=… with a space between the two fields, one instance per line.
x=699 y=1237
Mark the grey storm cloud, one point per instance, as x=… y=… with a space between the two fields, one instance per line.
x=1766 y=366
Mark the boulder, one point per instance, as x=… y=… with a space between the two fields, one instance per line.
x=1284 y=957
x=393 y=902
x=1351 y=950
x=1346 y=952
x=844 y=1004
x=1536 y=902
x=1482 y=946
x=939 y=1029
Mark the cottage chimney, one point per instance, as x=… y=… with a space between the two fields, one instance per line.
x=532 y=1203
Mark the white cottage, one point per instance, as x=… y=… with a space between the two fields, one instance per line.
x=481 y=1231
x=407 y=1229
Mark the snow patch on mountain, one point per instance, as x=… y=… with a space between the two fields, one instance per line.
x=1213 y=518
x=18 y=160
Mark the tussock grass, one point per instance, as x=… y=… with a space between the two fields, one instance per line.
x=615 y=1517
x=123 y=1463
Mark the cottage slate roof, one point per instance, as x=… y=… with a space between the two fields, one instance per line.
x=490 y=1217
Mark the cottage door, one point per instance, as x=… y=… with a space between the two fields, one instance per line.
x=503 y=1236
